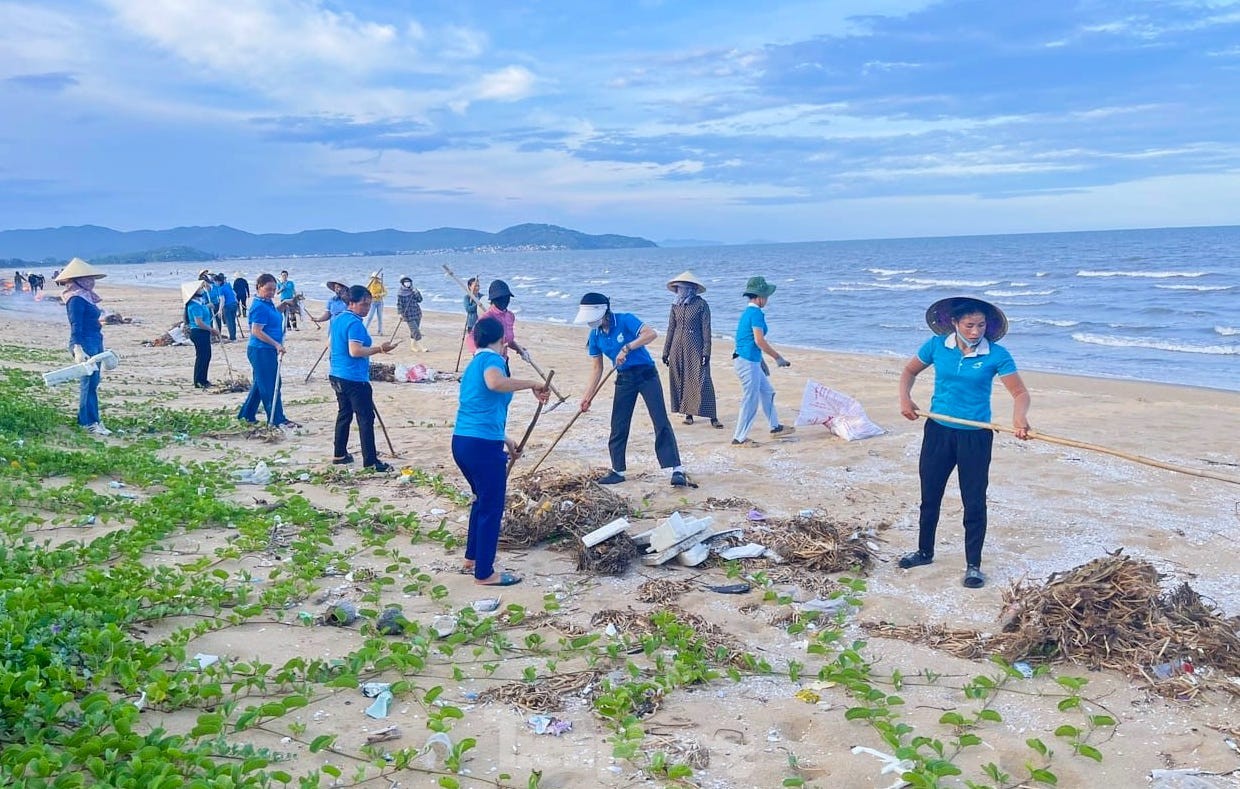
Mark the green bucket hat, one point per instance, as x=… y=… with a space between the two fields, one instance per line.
x=758 y=286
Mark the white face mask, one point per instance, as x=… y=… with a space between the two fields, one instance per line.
x=595 y=324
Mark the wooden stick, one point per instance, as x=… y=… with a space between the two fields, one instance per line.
x=275 y=397
x=512 y=460
x=391 y=449
x=316 y=361
x=399 y=320
x=571 y=422
x=537 y=369
x=1068 y=442
x=461 y=351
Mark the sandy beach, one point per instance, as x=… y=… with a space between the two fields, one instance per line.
x=1052 y=508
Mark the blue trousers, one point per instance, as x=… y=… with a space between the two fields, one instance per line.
x=967 y=451
x=376 y=311
x=230 y=320
x=263 y=365
x=483 y=463
x=756 y=390
x=88 y=392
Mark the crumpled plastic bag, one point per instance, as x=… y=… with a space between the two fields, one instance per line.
x=260 y=475
x=414 y=373
x=839 y=413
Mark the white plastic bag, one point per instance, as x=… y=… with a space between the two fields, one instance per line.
x=839 y=413
x=414 y=374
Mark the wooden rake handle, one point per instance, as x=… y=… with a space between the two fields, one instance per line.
x=571 y=422
x=1068 y=442
x=538 y=410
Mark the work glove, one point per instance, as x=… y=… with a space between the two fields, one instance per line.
x=525 y=357
x=782 y=362
x=666 y=361
x=79 y=355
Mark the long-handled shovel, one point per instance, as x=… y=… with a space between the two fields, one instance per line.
x=561 y=397
x=512 y=460
x=1068 y=442
x=569 y=425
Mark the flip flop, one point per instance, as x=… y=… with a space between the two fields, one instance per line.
x=466 y=569
x=505 y=579
x=974 y=578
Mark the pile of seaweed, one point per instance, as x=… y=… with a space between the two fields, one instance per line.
x=557 y=508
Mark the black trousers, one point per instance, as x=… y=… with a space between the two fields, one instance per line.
x=202 y=354
x=643 y=380
x=967 y=451
x=355 y=398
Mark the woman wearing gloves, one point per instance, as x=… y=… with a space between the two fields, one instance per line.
x=622 y=338
x=409 y=305
x=478 y=444
x=500 y=295
x=966 y=357
x=751 y=343
x=85 y=334
x=686 y=352
x=201 y=329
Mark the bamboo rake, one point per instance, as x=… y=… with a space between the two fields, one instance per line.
x=1068 y=442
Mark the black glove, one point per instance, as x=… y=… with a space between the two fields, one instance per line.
x=665 y=361
x=782 y=362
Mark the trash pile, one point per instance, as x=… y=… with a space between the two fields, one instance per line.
x=408 y=373
x=1108 y=613
x=552 y=506
x=816 y=542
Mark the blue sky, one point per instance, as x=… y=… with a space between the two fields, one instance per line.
x=720 y=120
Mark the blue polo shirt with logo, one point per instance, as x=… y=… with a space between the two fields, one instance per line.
x=346 y=327
x=962 y=383
x=625 y=327
x=264 y=313
x=482 y=412
x=751 y=317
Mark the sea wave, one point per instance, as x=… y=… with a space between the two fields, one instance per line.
x=1155 y=344
x=1009 y=293
x=1051 y=322
x=1227 y=331
x=556 y=294
x=953 y=283
x=891 y=272
x=1142 y=274
x=1202 y=288
x=851 y=287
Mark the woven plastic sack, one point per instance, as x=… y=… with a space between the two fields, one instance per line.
x=839 y=413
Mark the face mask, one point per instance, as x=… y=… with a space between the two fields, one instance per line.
x=970 y=343
x=595 y=324
x=685 y=291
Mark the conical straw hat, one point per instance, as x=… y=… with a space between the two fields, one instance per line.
x=687 y=278
x=190 y=289
x=79 y=268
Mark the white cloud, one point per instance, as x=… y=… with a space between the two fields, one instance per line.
x=512 y=83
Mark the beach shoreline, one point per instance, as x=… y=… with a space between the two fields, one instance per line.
x=1051 y=509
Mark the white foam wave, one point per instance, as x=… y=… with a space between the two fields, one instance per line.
x=556 y=294
x=953 y=283
x=1009 y=293
x=849 y=287
x=1227 y=331
x=523 y=278
x=1052 y=322
x=1142 y=274
x=891 y=272
x=1156 y=344
x=1202 y=288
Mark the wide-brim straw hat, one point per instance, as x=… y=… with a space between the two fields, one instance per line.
x=332 y=283
x=190 y=289
x=204 y=272
x=687 y=278
x=78 y=269
x=939 y=316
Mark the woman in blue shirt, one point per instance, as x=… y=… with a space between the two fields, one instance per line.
x=622 y=338
x=751 y=343
x=966 y=357
x=478 y=443
x=85 y=334
x=201 y=330
x=350 y=379
x=264 y=350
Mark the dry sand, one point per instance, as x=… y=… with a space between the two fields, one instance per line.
x=1051 y=509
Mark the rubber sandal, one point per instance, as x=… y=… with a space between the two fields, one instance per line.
x=505 y=579
x=688 y=420
x=466 y=569
x=782 y=431
x=679 y=480
x=744 y=442
x=974 y=578
x=915 y=559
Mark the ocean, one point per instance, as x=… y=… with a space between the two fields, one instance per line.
x=1151 y=305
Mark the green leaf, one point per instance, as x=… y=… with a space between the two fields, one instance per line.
x=952 y=719
x=321 y=742
x=1089 y=752
x=794 y=782
x=858 y=713
x=1101 y=720
x=1044 y=777
x=448 y=782
x=1068 y=731
x=1072 y=702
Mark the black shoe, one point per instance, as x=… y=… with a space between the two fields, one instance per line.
x=342 y=461
x=974 y=578
x=783 y=430
x=715 y=423
x=915 y=559
x=678 y=479
x=381 y=467
x=688 y=420
x=612 y=478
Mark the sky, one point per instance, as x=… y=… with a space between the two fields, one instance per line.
x=724 y=120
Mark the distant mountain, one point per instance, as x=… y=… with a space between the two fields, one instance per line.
x=689 y=242
x=91 y=242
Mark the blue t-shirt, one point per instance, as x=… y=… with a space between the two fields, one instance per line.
x=214 y=294
x=286 y=290
x=345 y=327
x=264 y=313
x=962 y=383
x=229 y=295
x=751 y=317
x=335 y=306
x=483 y=412
x=198 y=309
x=84 y=329
x=625 y=327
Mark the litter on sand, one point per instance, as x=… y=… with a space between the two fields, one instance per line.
x=381 y=706
x=839 y=413
x=383 y=735
x=548 y=724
